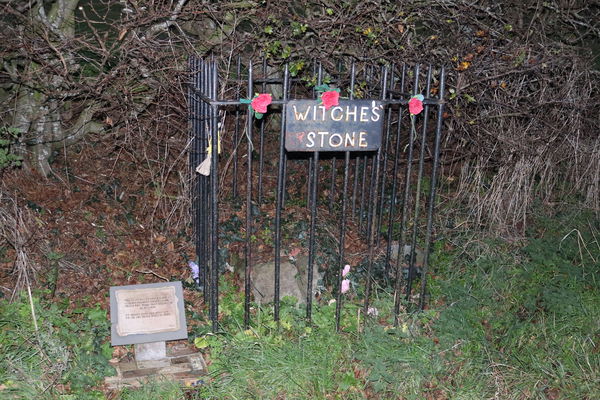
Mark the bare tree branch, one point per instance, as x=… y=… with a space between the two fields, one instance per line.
x=162 y=26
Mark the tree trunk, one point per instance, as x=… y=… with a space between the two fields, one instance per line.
x=41 y=119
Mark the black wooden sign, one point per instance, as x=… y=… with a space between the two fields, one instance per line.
x=353 y=125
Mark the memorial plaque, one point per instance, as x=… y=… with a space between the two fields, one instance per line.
x=353 y=125
x=147 y=313
x=149 y=310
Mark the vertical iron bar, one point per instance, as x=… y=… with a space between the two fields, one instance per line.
x=394 y=199
x=373 y=188
x=206 y=180
x=372 y=183
x=372 y=192
x=193 y=155
x=319 y=71
x=262 y=136
x=332 y=186
x=404 y=213
x=309 y=183
x=236 y=132
x=203 y=186
x=214 y=181
x=280 y=195
x=357 y=158
x=333 y=157
x=284 y=193
x=432 y=191
x=365 y=161
x=316 y=68
x=392 y=205
x=195 y=161
x=355 y=184
x=248 y=262
x=372 y=206
x=340 y=264
x=335 y=154
x=364 y=171
x=384 y=166
x=413 y=250
x=311 y=241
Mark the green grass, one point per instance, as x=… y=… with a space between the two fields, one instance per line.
x=300 y=367
x=156 y=389
x=528 y=317
x=68 y=350
x=510 y=321
x=506 y=320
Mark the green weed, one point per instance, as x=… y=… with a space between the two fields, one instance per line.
x=68 y=351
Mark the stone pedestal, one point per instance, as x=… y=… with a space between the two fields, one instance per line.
x=180 y=364
x=151 y=355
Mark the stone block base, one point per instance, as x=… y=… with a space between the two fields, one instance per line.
x=181 y=364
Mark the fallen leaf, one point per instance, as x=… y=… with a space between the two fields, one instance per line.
x=463 y=66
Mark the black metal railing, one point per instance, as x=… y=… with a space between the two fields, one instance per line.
x=379 y=187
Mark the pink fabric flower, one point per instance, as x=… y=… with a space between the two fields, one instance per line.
x=415 y=106
x=260 y=102
x=330 y=98
x=346 y=270
x=345 y=285
x=195 y=271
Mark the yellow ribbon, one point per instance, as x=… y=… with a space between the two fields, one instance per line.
x=209 y=148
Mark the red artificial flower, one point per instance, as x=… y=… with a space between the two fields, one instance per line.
x=330 y=98
x=260 y=102
x=415 y=106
